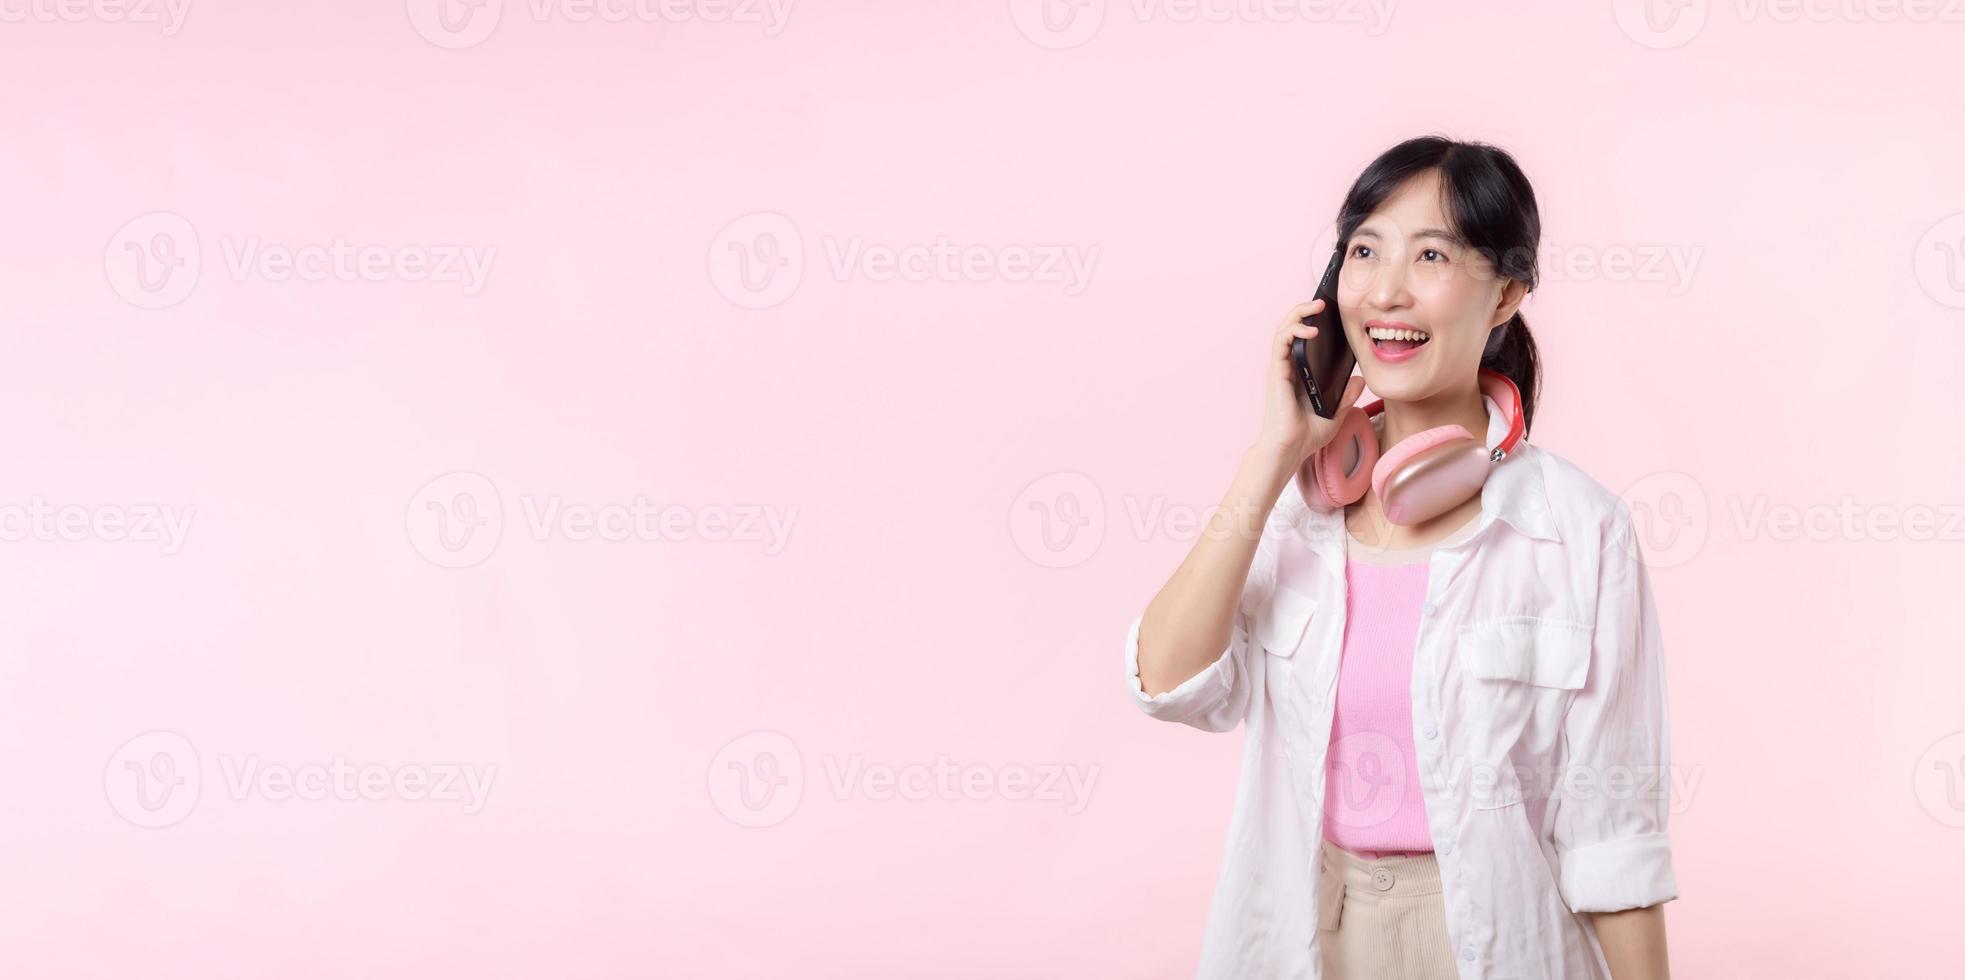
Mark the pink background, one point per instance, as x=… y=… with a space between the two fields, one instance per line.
x=982 y=478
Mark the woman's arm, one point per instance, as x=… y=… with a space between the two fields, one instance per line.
x=1190 y=622
x=1634 y=943
x=1614 y=857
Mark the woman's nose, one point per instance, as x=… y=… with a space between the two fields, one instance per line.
x=1387 y=287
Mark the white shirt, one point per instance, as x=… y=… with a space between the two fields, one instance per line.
x=1539 y=718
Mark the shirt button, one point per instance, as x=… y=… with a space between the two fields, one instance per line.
x=1428 y=608
x=1381 y=879
x=1467 y=953
x=1432 y=730
x=1446 y=847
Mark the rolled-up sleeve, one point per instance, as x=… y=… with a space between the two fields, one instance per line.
x=1215 y=699
x=1212 y=700
x=1609 y=830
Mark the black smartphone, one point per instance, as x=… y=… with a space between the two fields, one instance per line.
x=1323 y=365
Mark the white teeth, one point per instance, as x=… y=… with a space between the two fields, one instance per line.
x=1384 y=333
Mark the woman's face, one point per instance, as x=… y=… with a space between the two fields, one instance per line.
x=1405 y=269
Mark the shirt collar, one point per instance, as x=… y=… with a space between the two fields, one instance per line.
x=1514 y=493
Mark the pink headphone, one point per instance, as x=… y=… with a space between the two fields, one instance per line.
x=1424 y=476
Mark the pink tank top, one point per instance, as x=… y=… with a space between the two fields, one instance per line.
x=1372 y=800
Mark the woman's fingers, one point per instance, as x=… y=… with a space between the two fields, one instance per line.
x=1299 y=313
x=1294 y=326
x=1288 y=335
x=1301 y=310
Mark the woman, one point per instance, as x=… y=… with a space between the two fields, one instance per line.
x=1457 y=746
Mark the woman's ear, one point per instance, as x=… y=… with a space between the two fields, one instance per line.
x=1512 y=294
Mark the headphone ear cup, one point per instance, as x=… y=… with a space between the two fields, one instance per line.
x=1447 y=481
x=1409 y=449
x=1341 y=471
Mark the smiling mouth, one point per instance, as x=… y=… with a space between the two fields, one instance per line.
x=1397 y=341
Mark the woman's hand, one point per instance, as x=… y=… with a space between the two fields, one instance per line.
x=1291 y=430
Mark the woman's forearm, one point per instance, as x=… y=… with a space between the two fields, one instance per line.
x=1188 y=623
x=1634 y=943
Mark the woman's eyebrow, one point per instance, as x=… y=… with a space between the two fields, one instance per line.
x=1440 y=233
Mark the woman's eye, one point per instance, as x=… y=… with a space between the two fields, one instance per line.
x=1434 y=251
x=1357 y=249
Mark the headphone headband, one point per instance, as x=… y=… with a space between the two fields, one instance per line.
x=1494 y=385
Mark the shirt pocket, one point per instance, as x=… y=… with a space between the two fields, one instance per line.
x=1532 y=650
x=1522 y=672
x=1281 y=627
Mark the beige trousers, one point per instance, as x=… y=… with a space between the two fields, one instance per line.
x=1382 y=918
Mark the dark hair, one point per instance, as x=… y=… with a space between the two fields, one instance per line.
x=1489 y=202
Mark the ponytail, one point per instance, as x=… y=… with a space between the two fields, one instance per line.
x=1511 y=351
